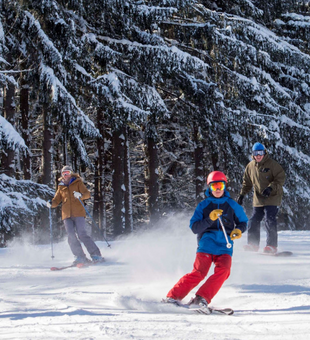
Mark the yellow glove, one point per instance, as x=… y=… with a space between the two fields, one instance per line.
x=214 y=214
x=235 y=234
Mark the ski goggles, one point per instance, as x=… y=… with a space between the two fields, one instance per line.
x=217 y=185
x=66 y=173
x=258 y=153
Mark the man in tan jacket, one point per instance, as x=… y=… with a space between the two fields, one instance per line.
x=70 y=191
x=267 y=177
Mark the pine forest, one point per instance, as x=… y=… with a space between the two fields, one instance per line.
x=144 y=98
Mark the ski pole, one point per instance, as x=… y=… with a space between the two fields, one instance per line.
x=228 y=245
x=51 y=230
x=87 y=212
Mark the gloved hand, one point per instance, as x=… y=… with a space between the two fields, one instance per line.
x=77 y=195
x=240 y=199
x=266 y=192
x=48 y=204
x=235 y=234
x=214 y=214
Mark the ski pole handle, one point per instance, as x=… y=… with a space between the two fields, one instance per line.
x=228 y=245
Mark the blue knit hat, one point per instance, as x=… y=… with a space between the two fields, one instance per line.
x=258 y=147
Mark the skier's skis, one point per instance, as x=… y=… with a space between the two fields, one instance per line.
x=79 y=265
x=227 y=311
x=62 y=268
x=84 y=265
x=215 y=310
x=279 y=254
x=197 y=310
x=88 y=264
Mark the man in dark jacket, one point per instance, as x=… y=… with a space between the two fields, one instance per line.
x=267 y=177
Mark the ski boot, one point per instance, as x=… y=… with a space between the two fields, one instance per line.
x=97 y=259
x=270 y=250
x=200 y=303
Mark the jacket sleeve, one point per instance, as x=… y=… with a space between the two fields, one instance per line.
x=57 y=199
x=247 y=184
x=239 y=216
x=279 y=178
x=198 y=224
x=84 y=191
x=241 y=219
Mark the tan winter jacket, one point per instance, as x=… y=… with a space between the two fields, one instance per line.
x=267 y=173
x=71 y=206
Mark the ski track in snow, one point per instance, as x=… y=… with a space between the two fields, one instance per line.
x=121 y=298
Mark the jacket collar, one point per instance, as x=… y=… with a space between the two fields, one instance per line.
x=263 y=161
x=71 y=181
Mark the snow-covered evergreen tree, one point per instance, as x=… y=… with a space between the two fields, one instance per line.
x=191 y=85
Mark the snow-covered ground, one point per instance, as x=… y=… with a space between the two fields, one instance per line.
x=120 y=299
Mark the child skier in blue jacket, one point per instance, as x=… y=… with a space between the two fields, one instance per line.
x=212 y=243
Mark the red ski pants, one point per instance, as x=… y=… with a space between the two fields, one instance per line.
x=202 y=265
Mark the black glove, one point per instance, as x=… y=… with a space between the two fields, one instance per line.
x=266 y=192
x=240 y=199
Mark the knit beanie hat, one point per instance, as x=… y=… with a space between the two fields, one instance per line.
x=66 y=168
x=258 y=147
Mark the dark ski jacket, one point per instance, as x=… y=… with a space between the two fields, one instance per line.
x=210 y=236
x=267 y=173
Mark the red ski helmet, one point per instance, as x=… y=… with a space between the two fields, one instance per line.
x=216 y=176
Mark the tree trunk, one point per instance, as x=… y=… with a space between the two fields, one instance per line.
x=128 y=192
x=47 y=147
x=118 y=160
x=99 y=192
x=97 y=178
x=24 y=110
x=96 y=211
x=104 y=171
x=102 y=220
x=152 y=186
x=8 y=161
x=199 y=168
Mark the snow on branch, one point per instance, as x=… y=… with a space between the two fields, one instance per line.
x=173 y=3
x=110 y=87
x=9 y=136
x=47 y=44
x=20 y=199
x=60 y=93
x=148 y=38
x=125 y=94
x=76 y=122
x=170 y=57
x=100 y=49
x=260 y=38
x=154 y=13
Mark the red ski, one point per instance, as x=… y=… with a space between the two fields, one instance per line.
x=79 y=265
x=62 y=268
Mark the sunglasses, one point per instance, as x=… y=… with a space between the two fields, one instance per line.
x=259 y=153
x=66 y=173
x=217 y=185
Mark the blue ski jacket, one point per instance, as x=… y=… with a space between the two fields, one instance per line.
x=210 y=236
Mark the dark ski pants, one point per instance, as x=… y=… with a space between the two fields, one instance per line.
x=202 y=265
x=271 y=225
x=75 y=227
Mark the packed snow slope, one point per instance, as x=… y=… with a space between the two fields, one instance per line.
x=121 y=298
